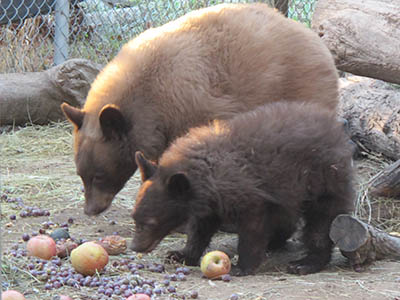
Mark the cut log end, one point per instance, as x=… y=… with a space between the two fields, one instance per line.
x=348 y=233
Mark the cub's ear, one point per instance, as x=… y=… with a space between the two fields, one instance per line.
x=74 y=115
x=178 y=184
x=146 y=167
x=112 y=122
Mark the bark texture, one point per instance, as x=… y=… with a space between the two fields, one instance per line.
x=363 y=36
x=36 y=97
x=362 y=243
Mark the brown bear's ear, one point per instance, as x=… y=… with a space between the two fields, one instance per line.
x=112 y=121
x=75 y=115
x=178 y=184
x=146 y=167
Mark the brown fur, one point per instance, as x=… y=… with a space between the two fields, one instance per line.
x=209 y=64
x=262 y=171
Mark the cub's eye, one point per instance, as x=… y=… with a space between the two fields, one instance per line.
x=99 y=177
x=151 y=222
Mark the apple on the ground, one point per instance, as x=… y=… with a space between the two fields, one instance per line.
x=215 y=264
x=139 y=297
x=41 y=246
x=11 y=295
x=89 y=258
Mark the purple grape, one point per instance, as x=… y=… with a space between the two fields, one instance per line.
x=108 y=292
x=166 y=282
x=13 y=217
x=48 y=286
x=226 y=277
x=171 y=289
x=181 y=277
x=26 y=237
x=234 y=297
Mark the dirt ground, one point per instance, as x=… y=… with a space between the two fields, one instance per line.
x=37 y=166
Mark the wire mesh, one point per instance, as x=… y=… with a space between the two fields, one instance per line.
x=37 y=34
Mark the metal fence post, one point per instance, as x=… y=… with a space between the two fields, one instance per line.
x=61 y=31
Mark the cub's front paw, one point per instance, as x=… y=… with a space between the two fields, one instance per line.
x=176 y=256
x=180 y=257
x=305 y=266
x=236 y=271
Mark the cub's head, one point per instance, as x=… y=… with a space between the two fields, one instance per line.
x=103 y=155
x=161 y=204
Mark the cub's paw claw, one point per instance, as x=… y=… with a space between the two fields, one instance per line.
x=236 y=271
x=303 y=268
x=175 y=256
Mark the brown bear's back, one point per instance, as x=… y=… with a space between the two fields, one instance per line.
x=213 y=63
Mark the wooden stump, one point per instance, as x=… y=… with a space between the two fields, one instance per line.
x=363 y=36
x=361 y=243
x=36 y=97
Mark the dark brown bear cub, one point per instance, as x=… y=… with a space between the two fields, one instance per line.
x=262 y=171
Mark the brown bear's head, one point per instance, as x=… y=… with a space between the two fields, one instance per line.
x=103 y=155
x=161 y=204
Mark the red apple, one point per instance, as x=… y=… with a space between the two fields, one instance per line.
x=139 y=297
x=89 y=257
x=41 y=246
x=215 y=264
x=12 y=295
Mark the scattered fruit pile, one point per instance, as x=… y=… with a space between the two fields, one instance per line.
x=57 y=260
x=56 y=273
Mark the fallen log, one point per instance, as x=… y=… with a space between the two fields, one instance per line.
x=362 y=243
x=363 y=36
x=372 y=109
x=387 y=183
x=36 y=97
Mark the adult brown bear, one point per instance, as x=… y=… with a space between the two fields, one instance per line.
x=209 y=64
x=262 y=171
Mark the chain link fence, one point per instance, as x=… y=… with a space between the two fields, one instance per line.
x=37 y=34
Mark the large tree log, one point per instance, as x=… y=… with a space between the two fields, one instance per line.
x=387 y=183
x=363 y=36
x=361 y=243
x=372 y=109
x=36 y=97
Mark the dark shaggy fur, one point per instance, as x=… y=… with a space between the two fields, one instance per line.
x=263 y=171
x=209 y=64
